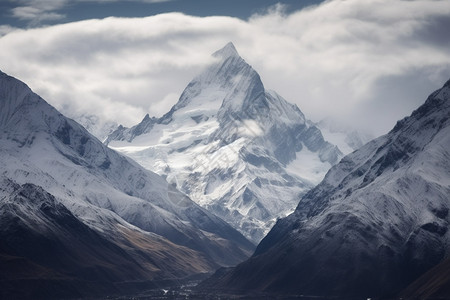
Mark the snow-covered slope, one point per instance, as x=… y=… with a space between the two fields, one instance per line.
x=111 y=194
x=235 y=148
x=377 y=221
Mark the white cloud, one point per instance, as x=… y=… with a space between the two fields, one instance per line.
x=38 y=12
x=5 y=29
x=371 y=62
x=144 y=1
x=35 y=15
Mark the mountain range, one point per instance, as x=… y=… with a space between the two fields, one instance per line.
x=231 y=165
x=78 y=219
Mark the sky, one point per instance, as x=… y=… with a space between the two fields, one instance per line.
x=366 y=63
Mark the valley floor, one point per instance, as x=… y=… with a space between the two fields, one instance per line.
x=188 y=291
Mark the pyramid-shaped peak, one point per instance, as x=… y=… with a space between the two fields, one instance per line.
x=227 y=51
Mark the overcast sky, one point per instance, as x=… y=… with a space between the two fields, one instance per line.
x=367 y=62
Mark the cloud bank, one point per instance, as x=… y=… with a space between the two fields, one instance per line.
x=368 y=62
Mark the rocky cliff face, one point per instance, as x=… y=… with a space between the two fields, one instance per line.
x=240 y=151
x=378 y=220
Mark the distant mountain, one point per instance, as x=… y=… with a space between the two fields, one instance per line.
x=377 y=222
x=92 y=123
x=78 y=219
x=238 y=150
x=347 y=139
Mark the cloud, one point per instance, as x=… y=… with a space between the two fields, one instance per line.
x=371 y=62
x=5 y=29
x=38 y=12
x=109 y=1
x=35 y=15
x=368 y=62
x=144 y=1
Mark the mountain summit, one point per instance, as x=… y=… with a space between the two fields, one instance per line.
x=378 y=220
x=240 y=151
x=227 y=51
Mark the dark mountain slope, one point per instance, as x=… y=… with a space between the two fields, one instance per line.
x=47 y=252
x=378 y=220
x=434 y=284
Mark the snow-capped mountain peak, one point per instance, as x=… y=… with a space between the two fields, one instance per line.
x=222 y=85
x=227 y=51
x=231 y=145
